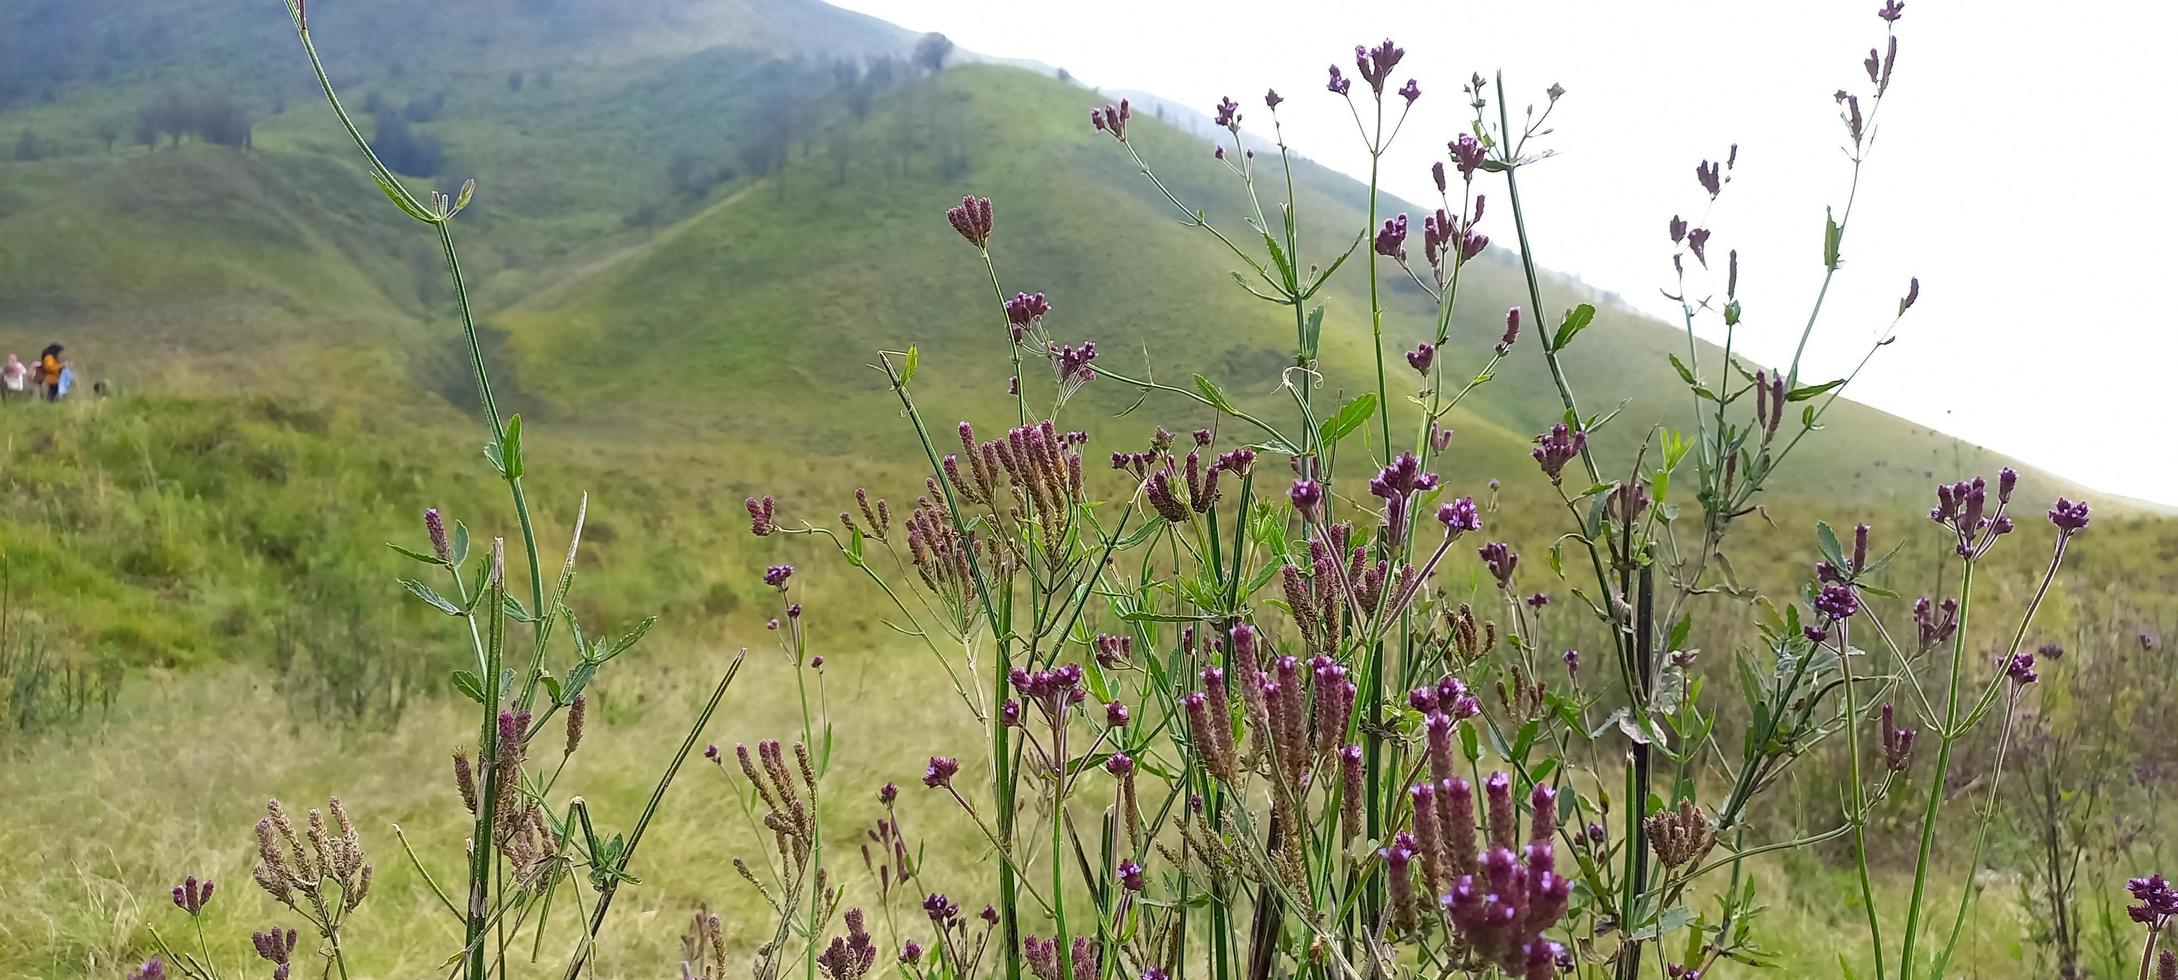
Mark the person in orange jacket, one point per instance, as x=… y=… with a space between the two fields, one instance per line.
x=49 y=372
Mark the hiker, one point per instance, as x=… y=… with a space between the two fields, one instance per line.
x=14 y=377
x=49 y=372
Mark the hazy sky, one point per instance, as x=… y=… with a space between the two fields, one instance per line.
x=2020 y=169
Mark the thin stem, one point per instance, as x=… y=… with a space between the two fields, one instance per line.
x=1860 y=805
x=1944 y=741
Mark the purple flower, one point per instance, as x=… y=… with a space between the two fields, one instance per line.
x=1271 y=98
x=1556 y=448
x=1115 y=715
x=1913 y=294
x=1678 y=229
x=1228 y=115
x=435 y=526
x=2070 y=517
x=1512 y=332
x=1410 y=91
x=1130 y=876
x=1538 y=601
x=972 y=218
x=2020 y=668
x=1120 y=764
x=1339 y=85
x=1025 y=309
x=1392 y=238
x=1460 y=515
x=1468 y=154
x=1421 y=357
x=153 y=969
x=1376 y=64
x=888 y=793
x=1572 y=662
x=760 y=516
x=1501 y=560
x=776 y=576
x=1307 y=497
x=940 y=772
x=1697 y=239
x=1436 y=173
x=1110 y=119
x=2158 y=901
x=1897 y=742
x=1890 y=10
x=1710 y=176
x=1837 y=602
x=1963 y=508
x=191 y=895
x=911 y=952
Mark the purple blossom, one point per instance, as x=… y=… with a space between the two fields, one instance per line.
x=1339 y=84
x=1271 y=98
x=911 y=952
x=1392 y=238
x=940 y=772
x=1120 y=764
x=1228 y=115
x=1115 y=715
x=2158 y=901
x=1890 y=10
x=1436 y=173
x=1376 y=64
x=1512 y=332
x=1130 y=876
x=760 y=516
x=1460 y=515
x=435 y=526
x=1897 y=742
x=1410 y=91
x=1556 y=448
x=2020 y=668
x=1913 y=294
x=1710 y=176
x=1111 y=119
x=2070 y=517
x=1697 y=239
x=1538 y=600
x=1501 y=560
x=1024 y=309
x=1837 y=602
x=776 y=576
x=1468 y=154
x=972 y=218
x=191 y=895
x=1421 y=357
x=1678 y=229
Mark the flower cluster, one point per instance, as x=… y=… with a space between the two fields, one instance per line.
x=972 y=218
x=1963 y=507
x=1112 y=119
x=1556 y=448
x=1897 y=742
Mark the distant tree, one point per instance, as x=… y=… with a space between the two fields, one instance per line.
x=514 y=81
x=29 y=147
x=109 y=133
x=1065 y=76
x=403 y=149
x=145 y=132
x=931 y=52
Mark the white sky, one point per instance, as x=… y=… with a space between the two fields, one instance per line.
x=2021 y=171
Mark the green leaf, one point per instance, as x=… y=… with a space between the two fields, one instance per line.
x=1805 y=392
x=552 y=687
x=466 y=682
x=854 y=545
x=412 y=553
x=1686 y=374
x=461 y=543
x=510 y=451
x=629 y=638
x=1278 y=256
x=1832 y=234
x=1672 y=920
x=1827 y=540
x=514 y=609
x=422 y=591
x=914 y=360
x=1215 y=395
x=1576 y=320
x=1351 y=416
x=1470 y=743
x=1312 y=332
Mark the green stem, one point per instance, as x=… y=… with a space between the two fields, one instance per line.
x=1860 y=804
x=1944 y=740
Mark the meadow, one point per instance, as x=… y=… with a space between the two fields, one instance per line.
x=201 y=610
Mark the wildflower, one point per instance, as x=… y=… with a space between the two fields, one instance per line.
x=1471 y=243
x=1501 y=559
x=1410 y=91
x=276 y=947
x=1397 y=485
x=1460 y=515
x=1338 y=85
x=577 y=711
x=1696 y=240
x=940 y=771
x=1421 y=357
x=1963 y=508
x=2070 y=517
x=1468 y=155
x=1913 y=293
x=776 y=576
x=972 y=218
x=1271 y=98
x=1115 y=715
x=849 y=956
x=1228 y=115
x=191 y=895
x=1897 y=743
x=888 y=793
x=760 y=516
x=1436 y=173
x=2157 y=901
x=435 y=526
x=1155 y=973
x=1391 y=239
x=1512 y=332
x=1110 y=119
x=911 y=952
x=1852 y=118
x=1111 y=650
x=1557 y=447
x=940 y=909
x=1678 y=229
x=2020 y=668
x=1890 y=10
x=1130 y=876
x=1376 y=64
x=1120 y=764
x=1837 y=602
x=1710 y=177
x=1025 y=309
x=153 y=969
x=1572 y=663
x=1680 y=836
x=1538 y=600
x=1506 y=899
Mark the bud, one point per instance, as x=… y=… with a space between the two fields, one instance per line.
x=436 y=527
x=576 y=711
